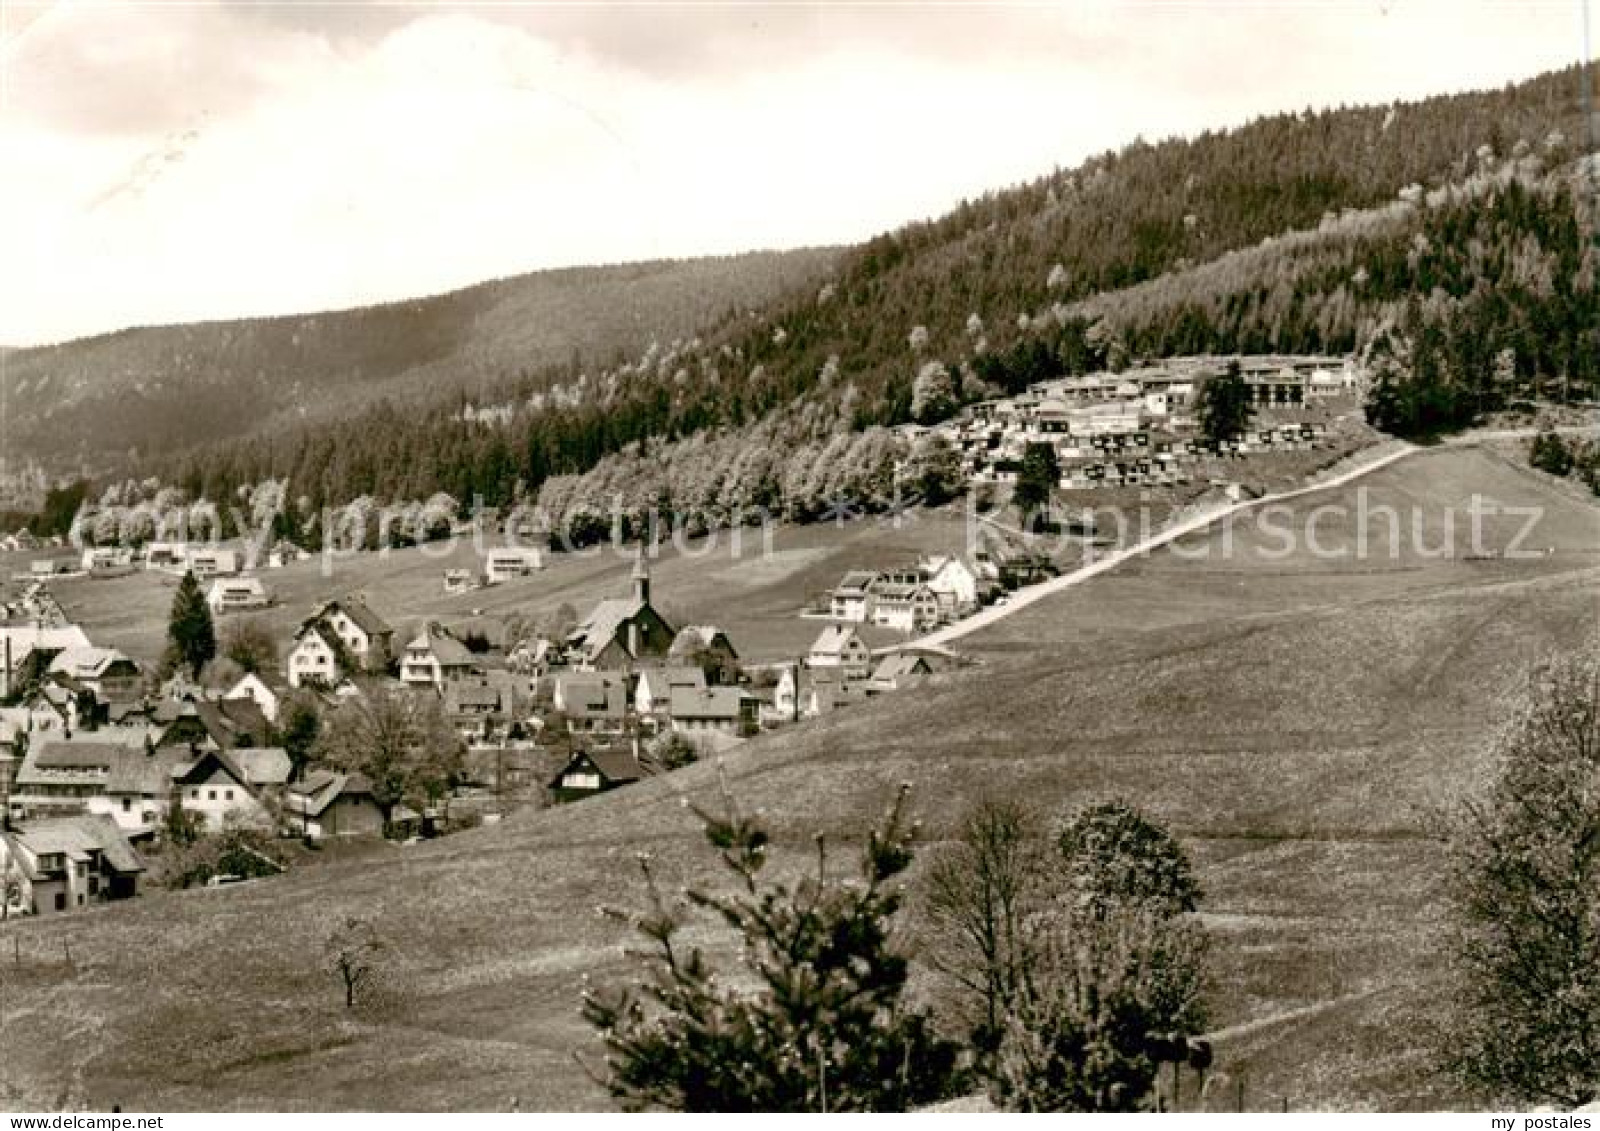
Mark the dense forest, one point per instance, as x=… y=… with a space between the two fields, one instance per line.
x=117 y=400
x=1450 y=240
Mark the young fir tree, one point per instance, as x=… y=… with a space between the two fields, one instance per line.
x=813 y=1021
x=191 y=637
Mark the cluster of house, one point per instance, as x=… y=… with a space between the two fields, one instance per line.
x=91 y=765
x=914 y=598
x=1139 y=426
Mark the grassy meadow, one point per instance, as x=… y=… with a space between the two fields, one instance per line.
x=1296 y=719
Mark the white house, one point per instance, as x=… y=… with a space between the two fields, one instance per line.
x=656 y=685
x=852 y=599
x=313 y=661
x=508 y=562
x=230 y=594
x=251 y=686
x=237 y=785
x=953 y=582
x=434 y=658
x=210 y=561
x=840 y=646
x=904 y=607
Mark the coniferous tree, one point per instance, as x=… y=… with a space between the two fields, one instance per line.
x=191 y=637
x=815 y=1019
x=1225 y=406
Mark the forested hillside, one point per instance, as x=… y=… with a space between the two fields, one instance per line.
x=1457 y=233
x=146 y=394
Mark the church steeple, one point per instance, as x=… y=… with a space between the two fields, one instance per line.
x=641 y=578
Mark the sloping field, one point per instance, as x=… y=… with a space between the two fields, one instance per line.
x=1295 y=720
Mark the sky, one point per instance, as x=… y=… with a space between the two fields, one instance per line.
x=167 y=162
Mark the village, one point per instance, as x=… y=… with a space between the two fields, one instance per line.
x=99 y=755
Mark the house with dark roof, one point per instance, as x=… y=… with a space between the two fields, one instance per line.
x=340 y=638
x=621 y=633
x=476 y=709
x=67 y=863
x=241 y=785
x=593 y=703
x=589 y=772
x=327 y=804
x=77 y=777
x=436 y=659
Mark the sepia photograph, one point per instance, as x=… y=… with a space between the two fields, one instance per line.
x=799 y=556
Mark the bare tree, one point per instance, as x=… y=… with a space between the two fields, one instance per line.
x=978 y=897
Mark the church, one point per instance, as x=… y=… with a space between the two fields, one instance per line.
x=622 y=633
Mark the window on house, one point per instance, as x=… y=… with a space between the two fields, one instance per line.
x=61 y=901
x=127 y=804
x=227 y=795
x=194 y=795
x=211 y=795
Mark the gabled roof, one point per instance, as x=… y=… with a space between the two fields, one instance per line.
x=446 y=649
x=721 y=703
x=603 y=622
x=321 y=788
x=832 y=640
x=117 y=769
x=664 y=680
x=615 y=767
x=594 y=697
x=77 y=836
x=251 y=767
x=88 y=662
x=474 y=695
x=357 y=610
x=898 y=665
x=25 y=639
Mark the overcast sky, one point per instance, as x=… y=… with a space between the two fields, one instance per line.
x=170 y=162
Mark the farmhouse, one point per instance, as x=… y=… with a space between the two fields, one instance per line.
x=234 y=784
x=620 y=633
x=595 y=771
x=66 y=777
x=66 y=864
x=840 y=646
x=231 y=594
x=435 y=659
x=475 y=708
x=365 y=635
x=326 y=804
x=458 y=581
x=339 y=638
